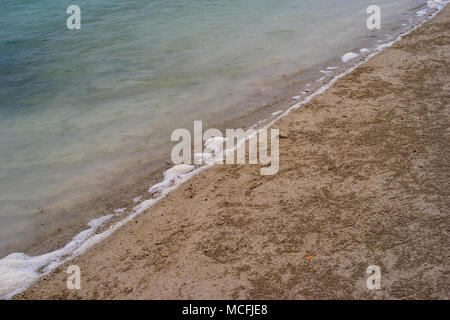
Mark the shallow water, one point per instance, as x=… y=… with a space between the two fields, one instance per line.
x=76 y=107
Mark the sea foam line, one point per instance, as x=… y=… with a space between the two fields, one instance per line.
x=19 y=271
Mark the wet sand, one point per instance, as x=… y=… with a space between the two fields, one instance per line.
x=364 y=180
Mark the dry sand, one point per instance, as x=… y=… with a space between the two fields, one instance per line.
x=364 y=179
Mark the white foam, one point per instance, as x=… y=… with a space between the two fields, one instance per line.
x=172 y=178
x=364 y=50
x=435 y=4
x=202 y=157
x=18 y=270
x=332 y=68
x=422 y=12
x=277 y=112
x=325 y=71
x=320 y=79
x=296 y=97
x=384 y=45
x=184 y=168
x=349 y=56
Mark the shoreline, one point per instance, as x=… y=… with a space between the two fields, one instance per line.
x=136 y=179
x=296 y=106
x=56 y=223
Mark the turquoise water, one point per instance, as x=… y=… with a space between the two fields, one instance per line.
x=77 y=106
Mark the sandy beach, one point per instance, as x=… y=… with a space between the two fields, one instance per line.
x=364 y=180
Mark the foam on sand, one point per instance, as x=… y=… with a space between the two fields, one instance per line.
x=277 y=112
x=18 y=270
x=435 y=4
x=349 y=56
